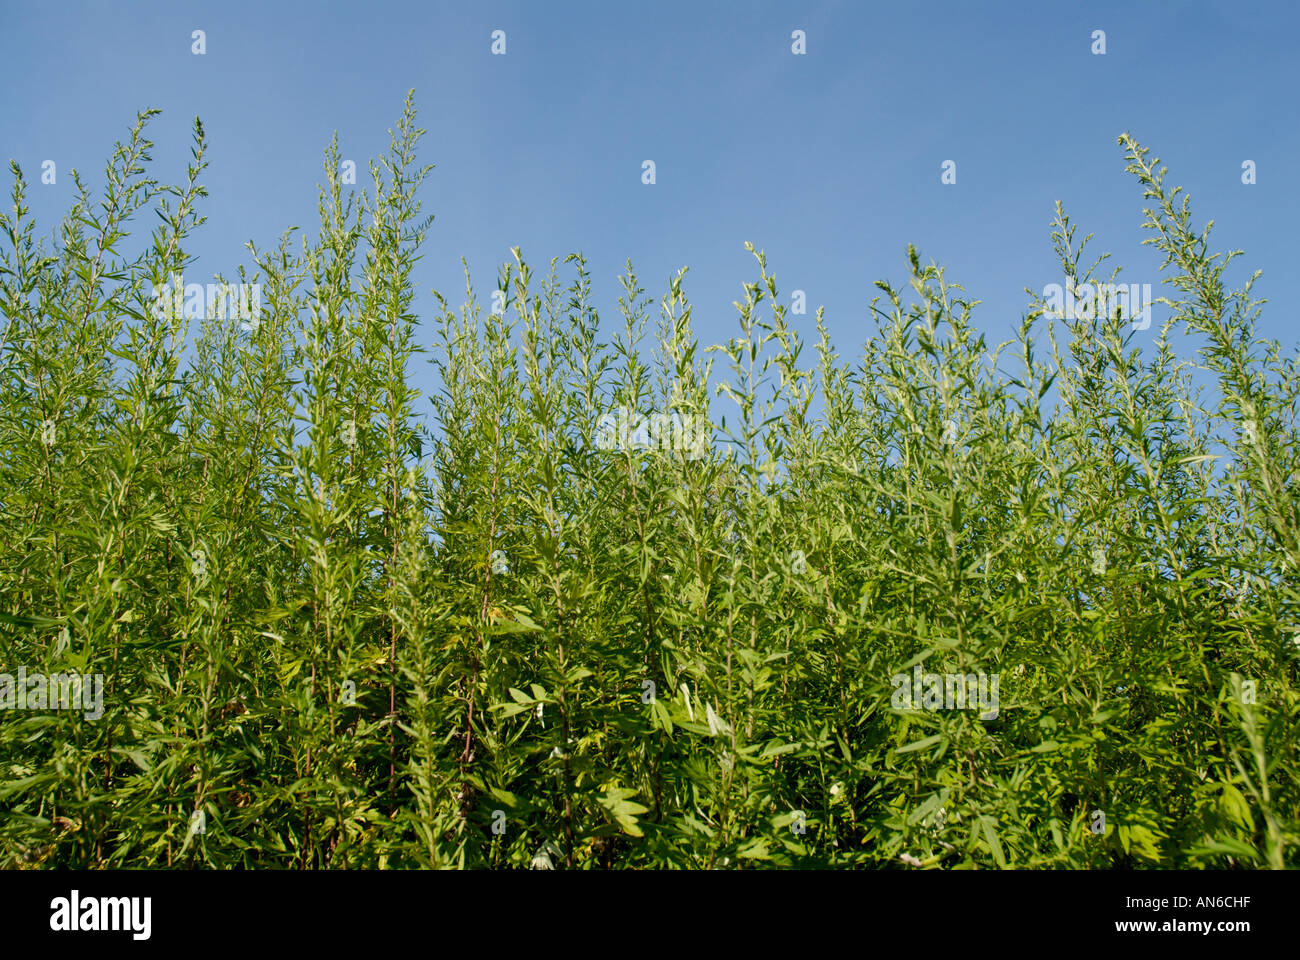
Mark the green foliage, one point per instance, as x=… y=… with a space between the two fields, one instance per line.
x=336 y=634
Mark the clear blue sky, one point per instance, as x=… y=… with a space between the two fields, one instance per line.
x=829 y=161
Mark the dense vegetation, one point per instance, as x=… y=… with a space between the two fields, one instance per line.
x=344 y=625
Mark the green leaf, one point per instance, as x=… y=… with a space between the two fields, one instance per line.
x=1235 y=807
x=922 y=744
x=995 y=845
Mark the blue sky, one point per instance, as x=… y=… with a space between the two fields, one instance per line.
x=830 y=161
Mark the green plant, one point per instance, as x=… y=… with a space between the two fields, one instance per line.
x=334 y=633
